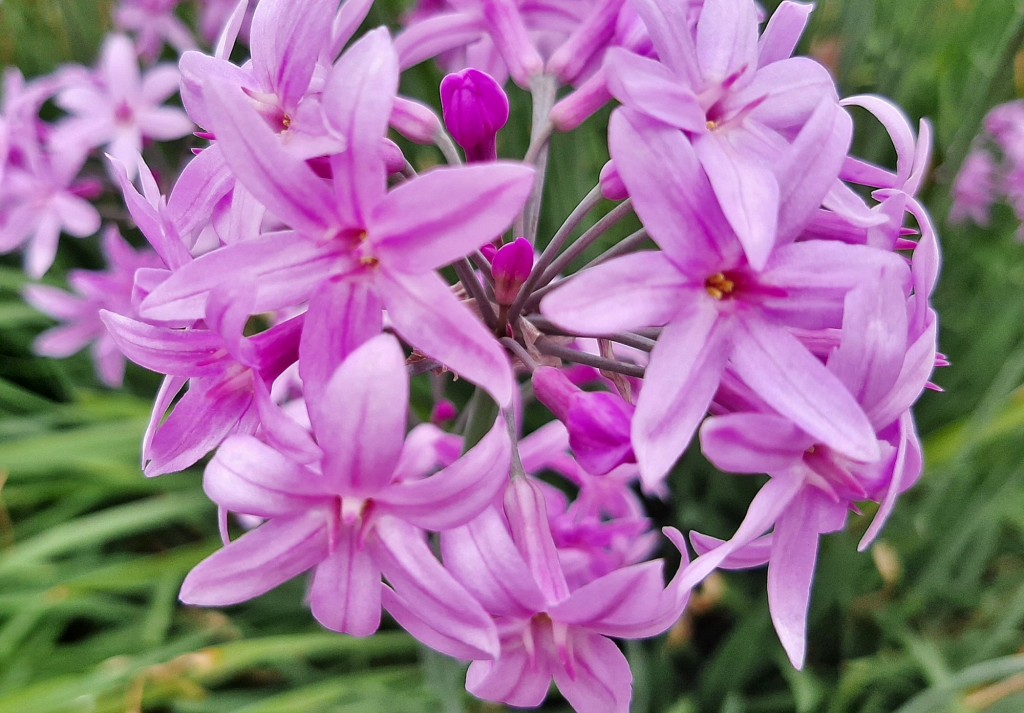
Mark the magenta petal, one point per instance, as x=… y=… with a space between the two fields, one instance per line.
x=484 y=558
x=441 y=216
x=343 y=314
x=426 y=315
x=792 y=381
x=359 y=418
x=430 y=593
x=282 y=182
x=287 y=37
x=651 y=88
x=682 y=377
x=248 y=476
x=181 y=352
x=751 y=556
x=790 y=571
x=747 y=191
x=630 y=292
x=600 y=679
x=752 y=442
x=346 y=591
x=260 y=560
x=357 y=104
x=458 y=493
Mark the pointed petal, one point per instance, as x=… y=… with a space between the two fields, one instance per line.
x=781 y=35
x=668 y=24
x=343 y=314
x=630 y=292
x=431 y=594
x=600 y=679
x=346 y=591
x=461 y=491
x=681 y=379
x=260 y=560
x=443 y=215
x=426 y=315
x=531 y=531
x=790 y=571
x=359 y=418
x=287 y=37
x=751 y=556
x=752 y=442
x=747 y=191
x=357 y=102
x=248 y=476
x=181 y=352
x=517 y=677
x=282 y=182
x=792 y=381
x=651 y=88
x=727 y=38
x=484 y=558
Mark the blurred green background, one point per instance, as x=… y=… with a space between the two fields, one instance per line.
x=931 y=621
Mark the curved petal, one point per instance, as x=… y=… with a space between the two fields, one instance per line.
x=346 y=591
x=260 y=560
x=752 y=442
x=359 y=417
x=598 y=676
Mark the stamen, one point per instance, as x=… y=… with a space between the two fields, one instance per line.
x=712 y=125
x=719 y=286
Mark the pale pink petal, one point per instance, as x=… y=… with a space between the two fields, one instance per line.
x=287 y=37
x=751 y=556
x=652 y=89
x=599 y=678
x=727 y=39
x=790 y=571
x=518 y=677
x=181 y=352
x=752 y=442
x=783 y=31
x=531 y=531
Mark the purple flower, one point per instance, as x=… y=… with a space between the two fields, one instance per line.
x=118 y=107
x=353 y=518
x=507 y=560
x=718 y=311
x=108 y=290
x=155 y=25
x=974 y=191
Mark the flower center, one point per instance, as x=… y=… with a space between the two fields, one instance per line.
x=712 y=125
x=719 y=286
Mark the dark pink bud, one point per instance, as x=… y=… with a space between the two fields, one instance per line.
x=475 y=110
x=553 y=389
x=444 y=412
x=599 y=425
x=489 y=251
x=511 y=266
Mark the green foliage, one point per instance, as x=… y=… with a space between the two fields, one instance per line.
x=92 y=553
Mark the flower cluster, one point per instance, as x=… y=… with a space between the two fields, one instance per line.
x=301 y=278
x=993 y=171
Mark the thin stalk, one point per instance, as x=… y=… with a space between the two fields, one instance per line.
x=627 y=245
x=448 y=148
x=483 y=266
x=468 y=279
x=589 y=359
x=520 y=351
x=544 y=90
x=556 y=244
x=629 y=339
x=517 y=470
x=586 y=240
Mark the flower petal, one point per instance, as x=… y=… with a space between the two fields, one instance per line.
x=347 y=587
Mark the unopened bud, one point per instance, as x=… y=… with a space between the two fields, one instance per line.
x=511 y=266
x=553 y=389
x=415 y=121
x=475 y=110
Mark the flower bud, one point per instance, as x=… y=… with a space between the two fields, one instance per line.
x=511 y=266
x=475 y=110
x=553 y=389
x=415 y=121
x=444 y=412
x=612 y=186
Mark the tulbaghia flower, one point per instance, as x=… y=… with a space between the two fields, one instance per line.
x=110 y=290
x=118 y=107
x=155 y=24
x=352 y=518
x=507 y=560
x=974 y=191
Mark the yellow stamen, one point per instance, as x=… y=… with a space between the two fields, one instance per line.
x=719 y=286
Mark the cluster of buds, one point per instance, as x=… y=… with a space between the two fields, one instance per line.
x=294 y=291
x=993 y=171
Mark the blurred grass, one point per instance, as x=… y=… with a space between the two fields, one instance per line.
x=92 y=553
